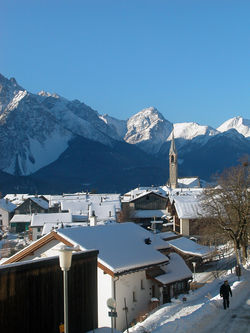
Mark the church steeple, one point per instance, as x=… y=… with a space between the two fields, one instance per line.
x=173 y=164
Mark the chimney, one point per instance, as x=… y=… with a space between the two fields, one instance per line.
x=92 y=219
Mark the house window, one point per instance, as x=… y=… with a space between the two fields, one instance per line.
x=134 y=298
x=142 y=285
x=153 y=291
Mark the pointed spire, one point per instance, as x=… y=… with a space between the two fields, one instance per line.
x=173 y=164
x=172 y=149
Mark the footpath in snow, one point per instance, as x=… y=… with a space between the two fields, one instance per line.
x=203 y=311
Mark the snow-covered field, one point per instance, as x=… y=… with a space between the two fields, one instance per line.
x=203 y=311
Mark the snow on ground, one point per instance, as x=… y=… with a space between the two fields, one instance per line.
x=104 y=330
x=203 y=311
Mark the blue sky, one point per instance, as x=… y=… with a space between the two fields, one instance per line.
x=188 y=58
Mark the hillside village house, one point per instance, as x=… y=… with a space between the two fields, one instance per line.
x=39 y=220
x=32 y=205
x=131 y=267
x=186 y=209
x=84 y=205
x=144 y=206
x=7 y=209
x=20 y=223
x=188 y=249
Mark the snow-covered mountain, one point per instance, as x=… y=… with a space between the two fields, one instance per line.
x=45 y=134
x=8 y=90
x=77 y=117
x=119 y=126
x=190 y=130
x=148 y=129
x=36 y=128
x=240 y=124
x=30 y=137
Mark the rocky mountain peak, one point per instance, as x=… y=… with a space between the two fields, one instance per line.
x=238 y=123
x=8 y=89
x=146 y=126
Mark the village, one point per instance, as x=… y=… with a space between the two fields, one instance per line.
x=142 y=249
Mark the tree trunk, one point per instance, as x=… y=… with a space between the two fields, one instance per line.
x=238 y=253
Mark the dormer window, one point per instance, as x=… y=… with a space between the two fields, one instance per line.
x=147 y=241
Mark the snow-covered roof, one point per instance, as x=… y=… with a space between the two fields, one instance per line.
x=149 y=213
x=21 y=218
x=76 y=206
x=121 y=245
x=195 y=192
x=176 y=270
x=168 y=234
x=80 y=218
x=188 y=246
x=17 y=199
x=143 y=190
x=188 y=207
x=7 y=205
x=38 y=220
x=48 y=227
x=102 y=210
x=40 y=202
x=189 y=182
x=147 y=193
x=78 y=203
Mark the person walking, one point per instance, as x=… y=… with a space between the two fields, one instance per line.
x=225 y=290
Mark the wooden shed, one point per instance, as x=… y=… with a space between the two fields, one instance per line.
x=31 y=295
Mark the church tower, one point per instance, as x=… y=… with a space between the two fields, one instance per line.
x=173 y=165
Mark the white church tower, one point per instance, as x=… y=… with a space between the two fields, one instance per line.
x=173 y=165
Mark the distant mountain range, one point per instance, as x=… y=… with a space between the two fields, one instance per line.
x=50 y=144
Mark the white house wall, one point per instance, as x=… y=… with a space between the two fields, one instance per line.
x=45 y=251
x=184 y=227
x=4 y=216
x=104 y=282
x=125 y=286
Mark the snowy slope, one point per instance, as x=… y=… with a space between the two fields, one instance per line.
x=36 y=129
x=239 y=124
x=30 y=137
x=148 y=129
x=119 y=126
x=8 y=89
x=78 y=118
x=190 y=130
x=203 y=311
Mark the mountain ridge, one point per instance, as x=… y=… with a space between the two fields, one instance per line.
x=36 y=130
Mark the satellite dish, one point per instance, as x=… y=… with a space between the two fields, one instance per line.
x=111 y=304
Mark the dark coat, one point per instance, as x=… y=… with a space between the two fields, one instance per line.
x=225 y=290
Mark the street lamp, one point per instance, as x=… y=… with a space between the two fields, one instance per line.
x=111 y=303
x=65 y=256
x=194 y=265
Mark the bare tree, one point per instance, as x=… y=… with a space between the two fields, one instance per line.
x=229 y=206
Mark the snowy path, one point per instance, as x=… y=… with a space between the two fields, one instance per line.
x=203 y=312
